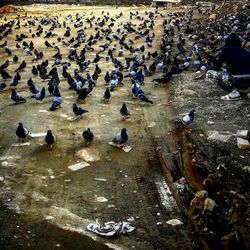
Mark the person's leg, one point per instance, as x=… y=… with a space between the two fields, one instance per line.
x=241 y=89
x=242 y=85
x=220 y=78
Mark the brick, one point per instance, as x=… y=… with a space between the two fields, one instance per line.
x=243 y=144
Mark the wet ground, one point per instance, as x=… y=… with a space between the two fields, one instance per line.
x=44 y=203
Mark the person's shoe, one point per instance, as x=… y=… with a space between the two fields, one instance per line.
x=233 y=96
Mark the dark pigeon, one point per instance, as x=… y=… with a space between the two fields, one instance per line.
x=17 y=98
x=121 y=137
x=78 y=111
x=124 y=111
x=50 y=139
x=87 y=136
x=22 y=132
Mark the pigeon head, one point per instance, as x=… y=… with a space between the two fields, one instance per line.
x=124 y=130
x=20 y=124
x=49 y=132
x=191 y=114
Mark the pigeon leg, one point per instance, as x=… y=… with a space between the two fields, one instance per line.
x=187 y=127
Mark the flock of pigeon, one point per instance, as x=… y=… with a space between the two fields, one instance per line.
x=127 y=45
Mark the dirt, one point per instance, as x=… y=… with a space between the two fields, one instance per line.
x=46 y=205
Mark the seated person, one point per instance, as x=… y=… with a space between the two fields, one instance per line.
x=236 y=79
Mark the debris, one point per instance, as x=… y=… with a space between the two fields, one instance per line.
x=125 y=148
x=39 y=197
x=1 y=178
x=78 y=166
x=10 y=157
x=19 y=144
x=199 y=74
x=36 y=135
x=187 y=92
x=63 y=115
x=201 y=194
x=152 y=124
x=242 y=134
x=247 y=169
x=210 y=122
x=100 y=179
x=43 y=111
x=101 y=199
x=174 y=222
x=110 y=228
x=88 y=154
x=131 y=219
x=72 y=118
x=5 y=164
x=242 y=143
x=216 y=136
x=209 y=205
x=111 y=206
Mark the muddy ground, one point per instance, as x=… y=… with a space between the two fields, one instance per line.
x=45 y=205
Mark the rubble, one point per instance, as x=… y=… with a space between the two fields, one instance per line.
x=243 y=144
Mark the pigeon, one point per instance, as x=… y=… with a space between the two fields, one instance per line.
x=21 y=66
x=87 y=135
x=121 y=137
x=78 y=111
x=17 y=98
x=33 y=89
x=186 y=120
x=15 y=58
x=50 y=88
x=97 y=58
x=34 y=70
x=14 y=81
x=3 y=44
x=143 y=98
x=136 y=90
x=2 y=86
x=152 y=67
x=106 y=95
x=40 y=95
x=50 y=139
x=166 y=77
x=5 y=65
x=21 y=132
x=124 y=111
x=83 y=93
x=30 y=81
x=5 y=75
x=56 y=103
x=48 y=45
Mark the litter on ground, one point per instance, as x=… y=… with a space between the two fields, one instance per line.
x=110 y=228
x=125 y=148
x=36 y=135
x=20 y=144
x=78 y=166
x=174 y=222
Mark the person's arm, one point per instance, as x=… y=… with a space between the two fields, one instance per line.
x=219 y=62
